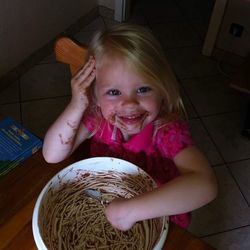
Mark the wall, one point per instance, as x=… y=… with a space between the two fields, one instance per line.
x=26 y=26
x=235 y=38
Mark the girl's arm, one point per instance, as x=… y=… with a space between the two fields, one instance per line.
x=67 y=132
x=195 y=187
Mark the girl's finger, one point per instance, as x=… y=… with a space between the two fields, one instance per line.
x=89 y=79
x=83 y=76
x=89 y=63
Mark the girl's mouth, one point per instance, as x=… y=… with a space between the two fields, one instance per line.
x=132 y=119
x=132 y=123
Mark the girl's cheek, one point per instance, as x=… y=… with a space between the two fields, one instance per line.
x=95 y=95
x=111 y=117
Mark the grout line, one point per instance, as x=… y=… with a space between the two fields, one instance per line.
x=205 y=128
x=215 y=145
x=237 y=184
x=224 y=231
x=237 y=161
x=34 y=100
x=212 y=139
x=45 y=98
x=226 y=164
x=221 y=155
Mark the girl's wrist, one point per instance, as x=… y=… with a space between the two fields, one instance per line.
x=135 y=214
x=77 y=106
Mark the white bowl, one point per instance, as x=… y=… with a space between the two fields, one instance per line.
x=71 y=172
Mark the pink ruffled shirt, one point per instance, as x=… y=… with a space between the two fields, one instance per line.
x=153 y=152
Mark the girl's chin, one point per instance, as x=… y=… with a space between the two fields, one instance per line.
x=130 y=131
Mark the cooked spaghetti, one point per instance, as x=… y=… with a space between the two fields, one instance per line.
x=71 y=220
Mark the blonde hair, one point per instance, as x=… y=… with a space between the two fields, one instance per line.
x=139 y=49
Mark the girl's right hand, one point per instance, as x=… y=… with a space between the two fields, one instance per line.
x=81 y=82
x=119 y=214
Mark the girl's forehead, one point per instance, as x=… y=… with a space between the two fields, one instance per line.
x=111 y=66
x=107 y=59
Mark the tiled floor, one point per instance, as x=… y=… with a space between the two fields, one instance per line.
x=216 y=112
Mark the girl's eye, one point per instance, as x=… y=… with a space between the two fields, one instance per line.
x=113 y=92
x=143 y=90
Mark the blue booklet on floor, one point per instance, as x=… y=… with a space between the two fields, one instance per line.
x=16 y=144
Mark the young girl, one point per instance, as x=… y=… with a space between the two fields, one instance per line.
x=126 y=99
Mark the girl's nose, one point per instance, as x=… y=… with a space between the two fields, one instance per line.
x=130 y=100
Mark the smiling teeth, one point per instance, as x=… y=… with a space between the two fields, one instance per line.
x=132 y=116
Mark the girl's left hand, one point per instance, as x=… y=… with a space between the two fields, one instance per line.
x=119 y=215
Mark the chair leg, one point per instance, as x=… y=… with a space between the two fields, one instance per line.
x=246 y=129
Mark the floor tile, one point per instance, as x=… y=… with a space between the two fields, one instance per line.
x=191 y=113
x=228 y=211
x=45 y=80
x=175 y=34
x=241 y=173
x=10 y=94
x=12 y=110
x=39 y=115
x=204 y=142
x=188 y=62
x=225 y=130
x=237 y=239
x=213 y=95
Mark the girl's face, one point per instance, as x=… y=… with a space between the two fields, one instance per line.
x=125 y=99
